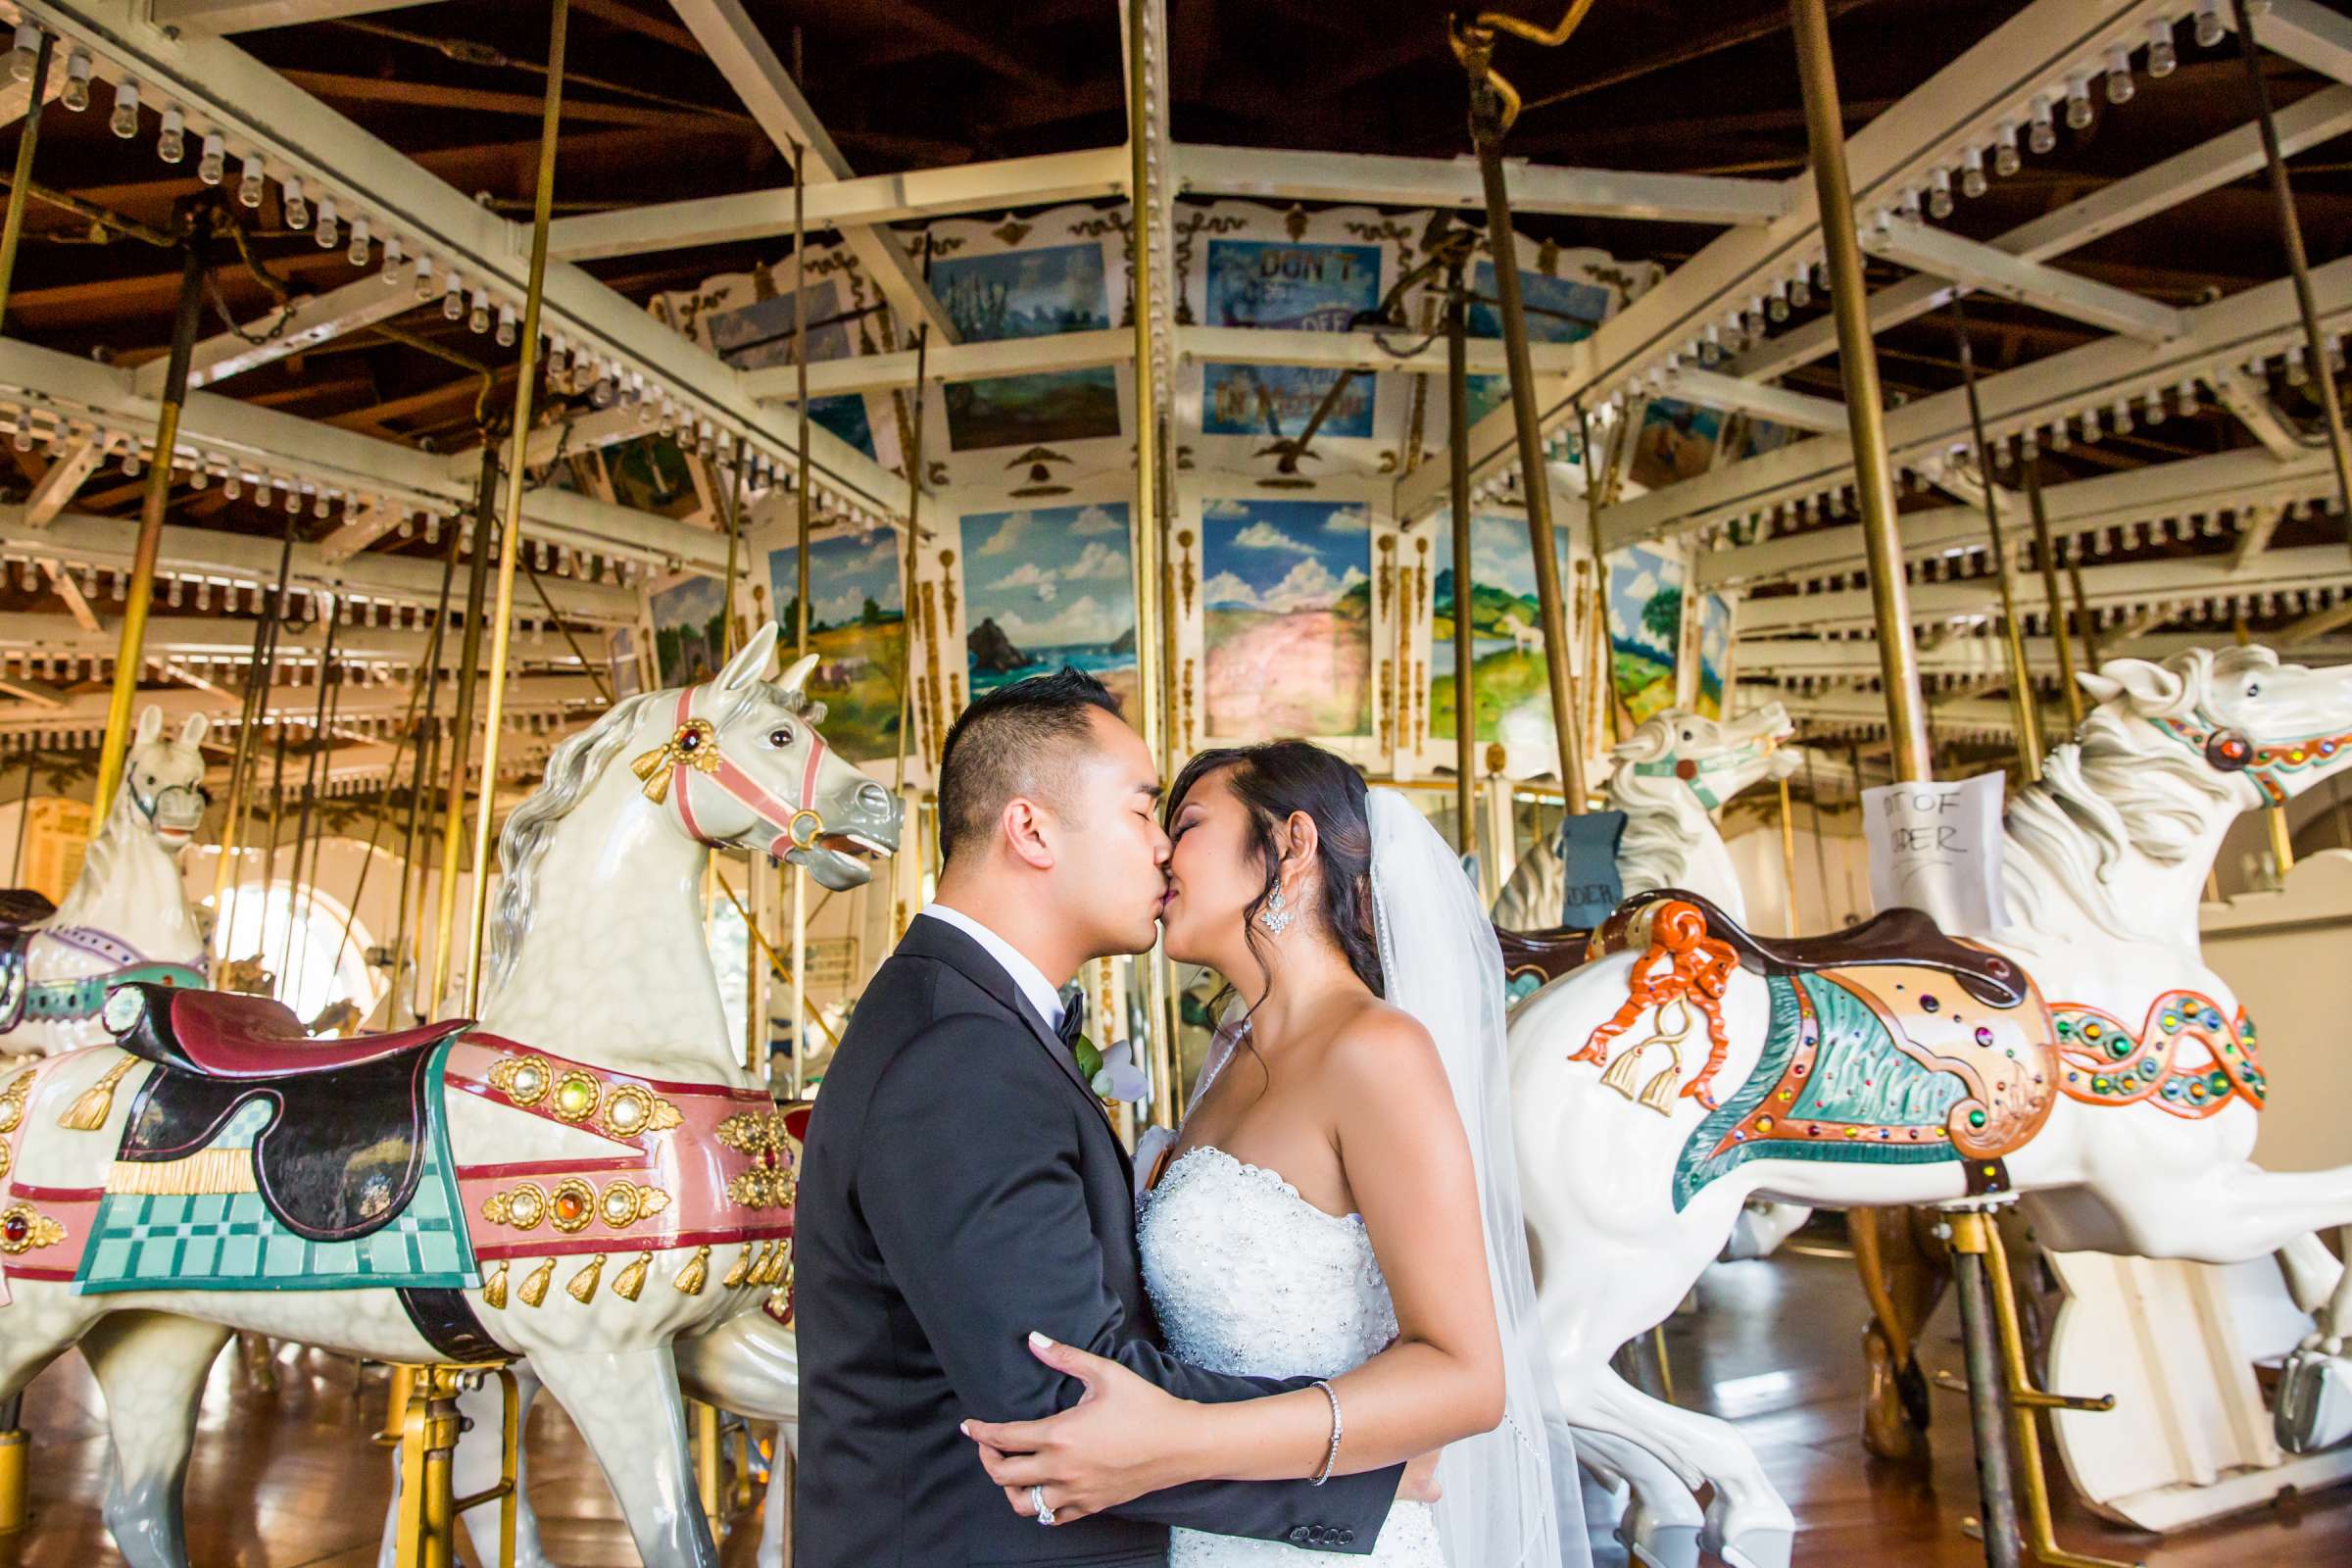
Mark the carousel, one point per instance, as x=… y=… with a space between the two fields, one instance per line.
x=1837 y=510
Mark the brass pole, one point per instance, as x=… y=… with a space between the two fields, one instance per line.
x=2023 y=706
x=2083 y=616
x=310 y=797
x=727 y=639
x=2060 y=622
x=430 y=678
x=460 y=731
x=798 y=1076
x=15 y=860
x=511 y=536
x=1788 y=853
x=245 y=756
x=913 y=440
x=1858 y=368
x=1603 y=674
x=2291 y=233
x=196 y=234
x=1457 y=459
x=1487 y=125
x=22 y=185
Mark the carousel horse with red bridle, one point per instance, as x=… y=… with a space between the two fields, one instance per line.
x=2081 y=1059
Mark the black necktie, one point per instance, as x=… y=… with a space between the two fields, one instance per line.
x=1070 y=1028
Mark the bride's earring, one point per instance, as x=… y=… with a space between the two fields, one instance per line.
x=1274 y=916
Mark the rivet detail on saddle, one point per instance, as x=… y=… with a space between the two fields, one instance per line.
x=574 y=1203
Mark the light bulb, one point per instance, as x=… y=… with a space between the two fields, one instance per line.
x=506 y=326
x=253 y=184
x=125 y=122
x=2161 y=57
x=76 y=93
x=432 y=529
x=358 y=254
x=2122 y=418
x=212 y=163
x=425 y=277
x=320 y=509
x=26 y=53
x=1972 y=173
x=2209 y=22
x=296 y=209
x=453 y=298
x=392 y=259
x=22 y=439
x=2120 y=84
x=200 y=477
x=1800 y=289
x=1908 y=204
x=1939 y=193
x=2061 y=438
x=2043 y=136
x=130 y=464
x=330 y=231
x=171 y=141
x=559 y=358
x=233 y=486
x=2153 y=411
x=477 y=319
x=2005 y=158
x=601 y=394
x=1778 y=306
x=2078 y=102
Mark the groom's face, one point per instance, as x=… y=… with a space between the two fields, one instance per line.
x=1111 y=873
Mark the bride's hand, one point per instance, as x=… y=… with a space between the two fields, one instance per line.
x=1110 y=1446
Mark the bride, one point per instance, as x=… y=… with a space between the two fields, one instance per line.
x=1340 y=1202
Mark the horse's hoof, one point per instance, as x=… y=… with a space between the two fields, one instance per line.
x=1660 y=1546
x=1760 y=1549
x=2313 y=1407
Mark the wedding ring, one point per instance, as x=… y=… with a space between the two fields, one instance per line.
x=1037 y=1500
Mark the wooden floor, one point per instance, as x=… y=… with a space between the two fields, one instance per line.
x=288 y=1478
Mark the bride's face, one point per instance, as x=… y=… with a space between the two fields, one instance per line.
x=1213 y=875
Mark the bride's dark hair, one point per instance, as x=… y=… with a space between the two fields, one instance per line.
x=1272 y=780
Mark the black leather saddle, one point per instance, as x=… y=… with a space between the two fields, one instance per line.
x=343 y=1154
x=1899 y=936
x=21 y=910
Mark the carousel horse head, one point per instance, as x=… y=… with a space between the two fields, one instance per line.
x=2281 y=728
x=1714 y=758
x=743 y=764
x=162 y=780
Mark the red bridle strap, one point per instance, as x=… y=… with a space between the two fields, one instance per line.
x=694 y=749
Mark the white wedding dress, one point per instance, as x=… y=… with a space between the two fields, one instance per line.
x=1250 y=1278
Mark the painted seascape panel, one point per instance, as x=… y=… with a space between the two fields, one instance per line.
x=1049 y=587
x=1028 y=293
x=1513 y=685
x=1288 y=605
x=856 y=628
x=1299 y=288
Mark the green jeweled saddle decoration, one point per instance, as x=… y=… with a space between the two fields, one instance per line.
x=1831 y=1083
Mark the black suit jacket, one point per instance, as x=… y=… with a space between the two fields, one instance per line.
x=960 y=1187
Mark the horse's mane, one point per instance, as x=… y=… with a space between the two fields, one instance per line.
x=2120 y=788
x=1662 y=817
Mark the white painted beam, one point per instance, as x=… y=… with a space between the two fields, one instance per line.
x=1797 y=409
x=78 y=605
x=2307 y=33
x=1387 y=181
x=318 y=319
x=297 y=705
x=1992 y=270
x=63 y=478
x=735 y=46
x=959 y=362
x=863 y=201
x=2255 y=411
x=1356 y=351
x=247 y=15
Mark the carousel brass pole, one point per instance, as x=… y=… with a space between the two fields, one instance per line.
x=461 y=730
x=2022 y=703
x=1486 y=127
x=21 y=186
x=1788 y=853
x=914 y=442
x=1859 y=367
x=2060 y=624
x=2291 y=233
x=16 y=859
x=195 y=241
x=1603 y=674
x=501 y=628
x=2082 y=615
x=245 y=758
x=798 y=1078
x=1457 y=459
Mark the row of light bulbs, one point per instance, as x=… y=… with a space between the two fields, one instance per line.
x=575 y=369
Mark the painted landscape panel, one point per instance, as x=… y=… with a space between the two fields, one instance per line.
x=1515 y=700
x=1028 y=293
x=1050 y=587
x=1289 y=617
x=858 y=628
x=1646 y=628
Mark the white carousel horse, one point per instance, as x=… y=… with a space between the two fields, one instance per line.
x=2086 y=1059
x=596 y=1121
x=127 y=916
x=1671 y=775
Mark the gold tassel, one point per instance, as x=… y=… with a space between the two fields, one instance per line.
x=741 y=1268
x=629 y=1281
x=535 y=1283
x=494 y=1289
x=97 y=1102
x=781 y=1269
x=1658 y=1094
x=1620 y=1073
x=654 y=768
x=696 y=1273
x=583 y=1284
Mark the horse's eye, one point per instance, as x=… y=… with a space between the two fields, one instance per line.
x=779 y=736
x=2254 y=688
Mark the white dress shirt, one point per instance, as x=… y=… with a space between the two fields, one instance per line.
x=1026 y=975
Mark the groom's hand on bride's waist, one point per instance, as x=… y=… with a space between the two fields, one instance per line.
x=1124 y=1437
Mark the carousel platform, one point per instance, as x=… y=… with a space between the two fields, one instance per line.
x=289 y=1479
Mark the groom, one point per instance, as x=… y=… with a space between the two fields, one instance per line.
x=962 y=1186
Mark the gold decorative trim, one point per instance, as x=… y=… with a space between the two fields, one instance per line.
x=205 y=1172
x=581 y=1286
x=696 y=1273
x=526 y=1080
x=494 y=1289
x=625 y=1202
x=631 y=1111
x=742 y=1267
x=522 y=1207
x=24 y=1227
x=12 y=1101
x=534 y=1285
x=631 y=1280
x=575 y=1096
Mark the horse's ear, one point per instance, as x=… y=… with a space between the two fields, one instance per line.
x=2152 y=687
x=192 y=733
x=751 y=664
x=150 y=725
x=795 y=674
x=1649 y=742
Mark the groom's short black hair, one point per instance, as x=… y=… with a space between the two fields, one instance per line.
x=1009 y=742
